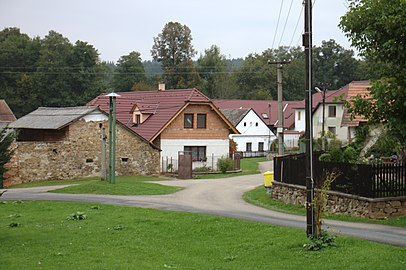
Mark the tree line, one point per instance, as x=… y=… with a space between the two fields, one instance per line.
x=51 y=71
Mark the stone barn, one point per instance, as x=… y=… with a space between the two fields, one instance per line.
x=66 y=143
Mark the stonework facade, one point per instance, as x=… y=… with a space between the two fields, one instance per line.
x=341 y=203
x=80 y=155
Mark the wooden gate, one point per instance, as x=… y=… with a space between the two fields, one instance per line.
x=185 y=165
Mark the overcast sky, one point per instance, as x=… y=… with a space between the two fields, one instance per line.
x=117 y=27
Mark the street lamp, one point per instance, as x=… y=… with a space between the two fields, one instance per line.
x=323 y=92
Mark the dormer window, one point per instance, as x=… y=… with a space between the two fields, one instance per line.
x=138 y=119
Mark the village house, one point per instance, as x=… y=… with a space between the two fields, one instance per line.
x=267 y=111
x=337 y=119
x=66 y=143
x=255 y=136
x=175 y=121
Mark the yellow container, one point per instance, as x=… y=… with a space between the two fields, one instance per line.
x=268 y=179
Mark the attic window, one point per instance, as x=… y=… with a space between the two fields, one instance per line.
x=137 y=119
x=265 y=116
x=188 y=120
x=89 y=160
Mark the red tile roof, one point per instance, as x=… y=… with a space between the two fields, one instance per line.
x=162 y=105
x=355 y=88
x=262 y=108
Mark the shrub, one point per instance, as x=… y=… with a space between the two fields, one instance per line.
x=325 y=157
x=350 y=155
x=77 y=216
x=225 y=164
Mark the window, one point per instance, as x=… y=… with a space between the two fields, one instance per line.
x=332 y=130
x=332 y=111
x=188 y=121
x=201 y=121
x=245 y=124
x=261 y=147
x=137 y=119
x=265 y=116
x=249 y=147
x=256 y=124
x=198 y=152
x=299 y=115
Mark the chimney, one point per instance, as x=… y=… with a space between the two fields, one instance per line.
x=161 y=86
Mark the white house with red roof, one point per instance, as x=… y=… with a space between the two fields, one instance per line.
x=336 y=117
x=267 y=111
x=174 y=120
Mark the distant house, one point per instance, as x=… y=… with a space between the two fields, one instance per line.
x=175 y=121
x=65 y=143
x=337 y=119
x=6 y=115
x=267 y=110
x=255 y=136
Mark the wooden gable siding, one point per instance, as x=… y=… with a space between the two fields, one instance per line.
x=216 y=128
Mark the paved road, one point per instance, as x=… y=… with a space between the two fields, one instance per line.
x=217 y=197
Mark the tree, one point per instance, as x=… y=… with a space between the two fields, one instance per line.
x=129 y=71
x=173 y=48
x=334 y=65
x=212 y=67
x=5 y=152
x=377 y=30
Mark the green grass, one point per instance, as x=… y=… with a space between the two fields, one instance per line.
x=248 y=166
x=259 y=197
x=116 y=237
x=125 y=185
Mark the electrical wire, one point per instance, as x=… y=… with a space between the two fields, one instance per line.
x=277 y=24
x=286 y=22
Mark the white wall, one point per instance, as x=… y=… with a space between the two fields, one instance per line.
x=252 y=130
x=300 y=121
x=218 y=148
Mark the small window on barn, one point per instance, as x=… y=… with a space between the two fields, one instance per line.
x=124 y=159
x=89 y=160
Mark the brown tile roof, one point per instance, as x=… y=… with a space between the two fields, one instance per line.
x=355 y=88
x=6 y=115
x=162 y=105
x=263 y=108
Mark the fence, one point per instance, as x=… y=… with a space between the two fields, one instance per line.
x=171 y=165
x=372 y=181
x=253 y=154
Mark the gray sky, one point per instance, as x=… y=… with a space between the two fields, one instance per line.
x=117 y=27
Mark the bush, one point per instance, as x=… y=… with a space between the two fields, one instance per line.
x=225 y=164
x=326 y=157
x=350 y=155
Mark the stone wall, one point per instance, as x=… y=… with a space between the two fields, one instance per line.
x=341 y=203
x=80 y=154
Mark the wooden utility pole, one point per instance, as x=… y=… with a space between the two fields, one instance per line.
x=112 y=137
x=307 y=43
x=279 y=67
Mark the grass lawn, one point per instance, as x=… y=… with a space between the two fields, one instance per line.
x=248 y=166
x=260 y=198
x=117 y=237
x=125 y=185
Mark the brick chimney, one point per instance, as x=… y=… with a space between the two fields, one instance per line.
x=161 y=86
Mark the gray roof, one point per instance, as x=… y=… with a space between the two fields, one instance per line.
x=235 y=115
x=52 y=118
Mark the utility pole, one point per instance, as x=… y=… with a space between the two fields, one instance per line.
x=112 y=137
x=103 y=161
x=307 y=43
x=279 y=67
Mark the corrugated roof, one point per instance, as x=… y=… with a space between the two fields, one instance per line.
x=6 y=115
x=235 y=115
x=51 y=118
x=263 y=108
x=163 y=105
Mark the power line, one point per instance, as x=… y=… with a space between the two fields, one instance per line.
x=297 y=24
x=277 y=24
x=286 y=21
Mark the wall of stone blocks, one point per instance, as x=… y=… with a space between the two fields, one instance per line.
x=340 y=203
x=80 y=155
